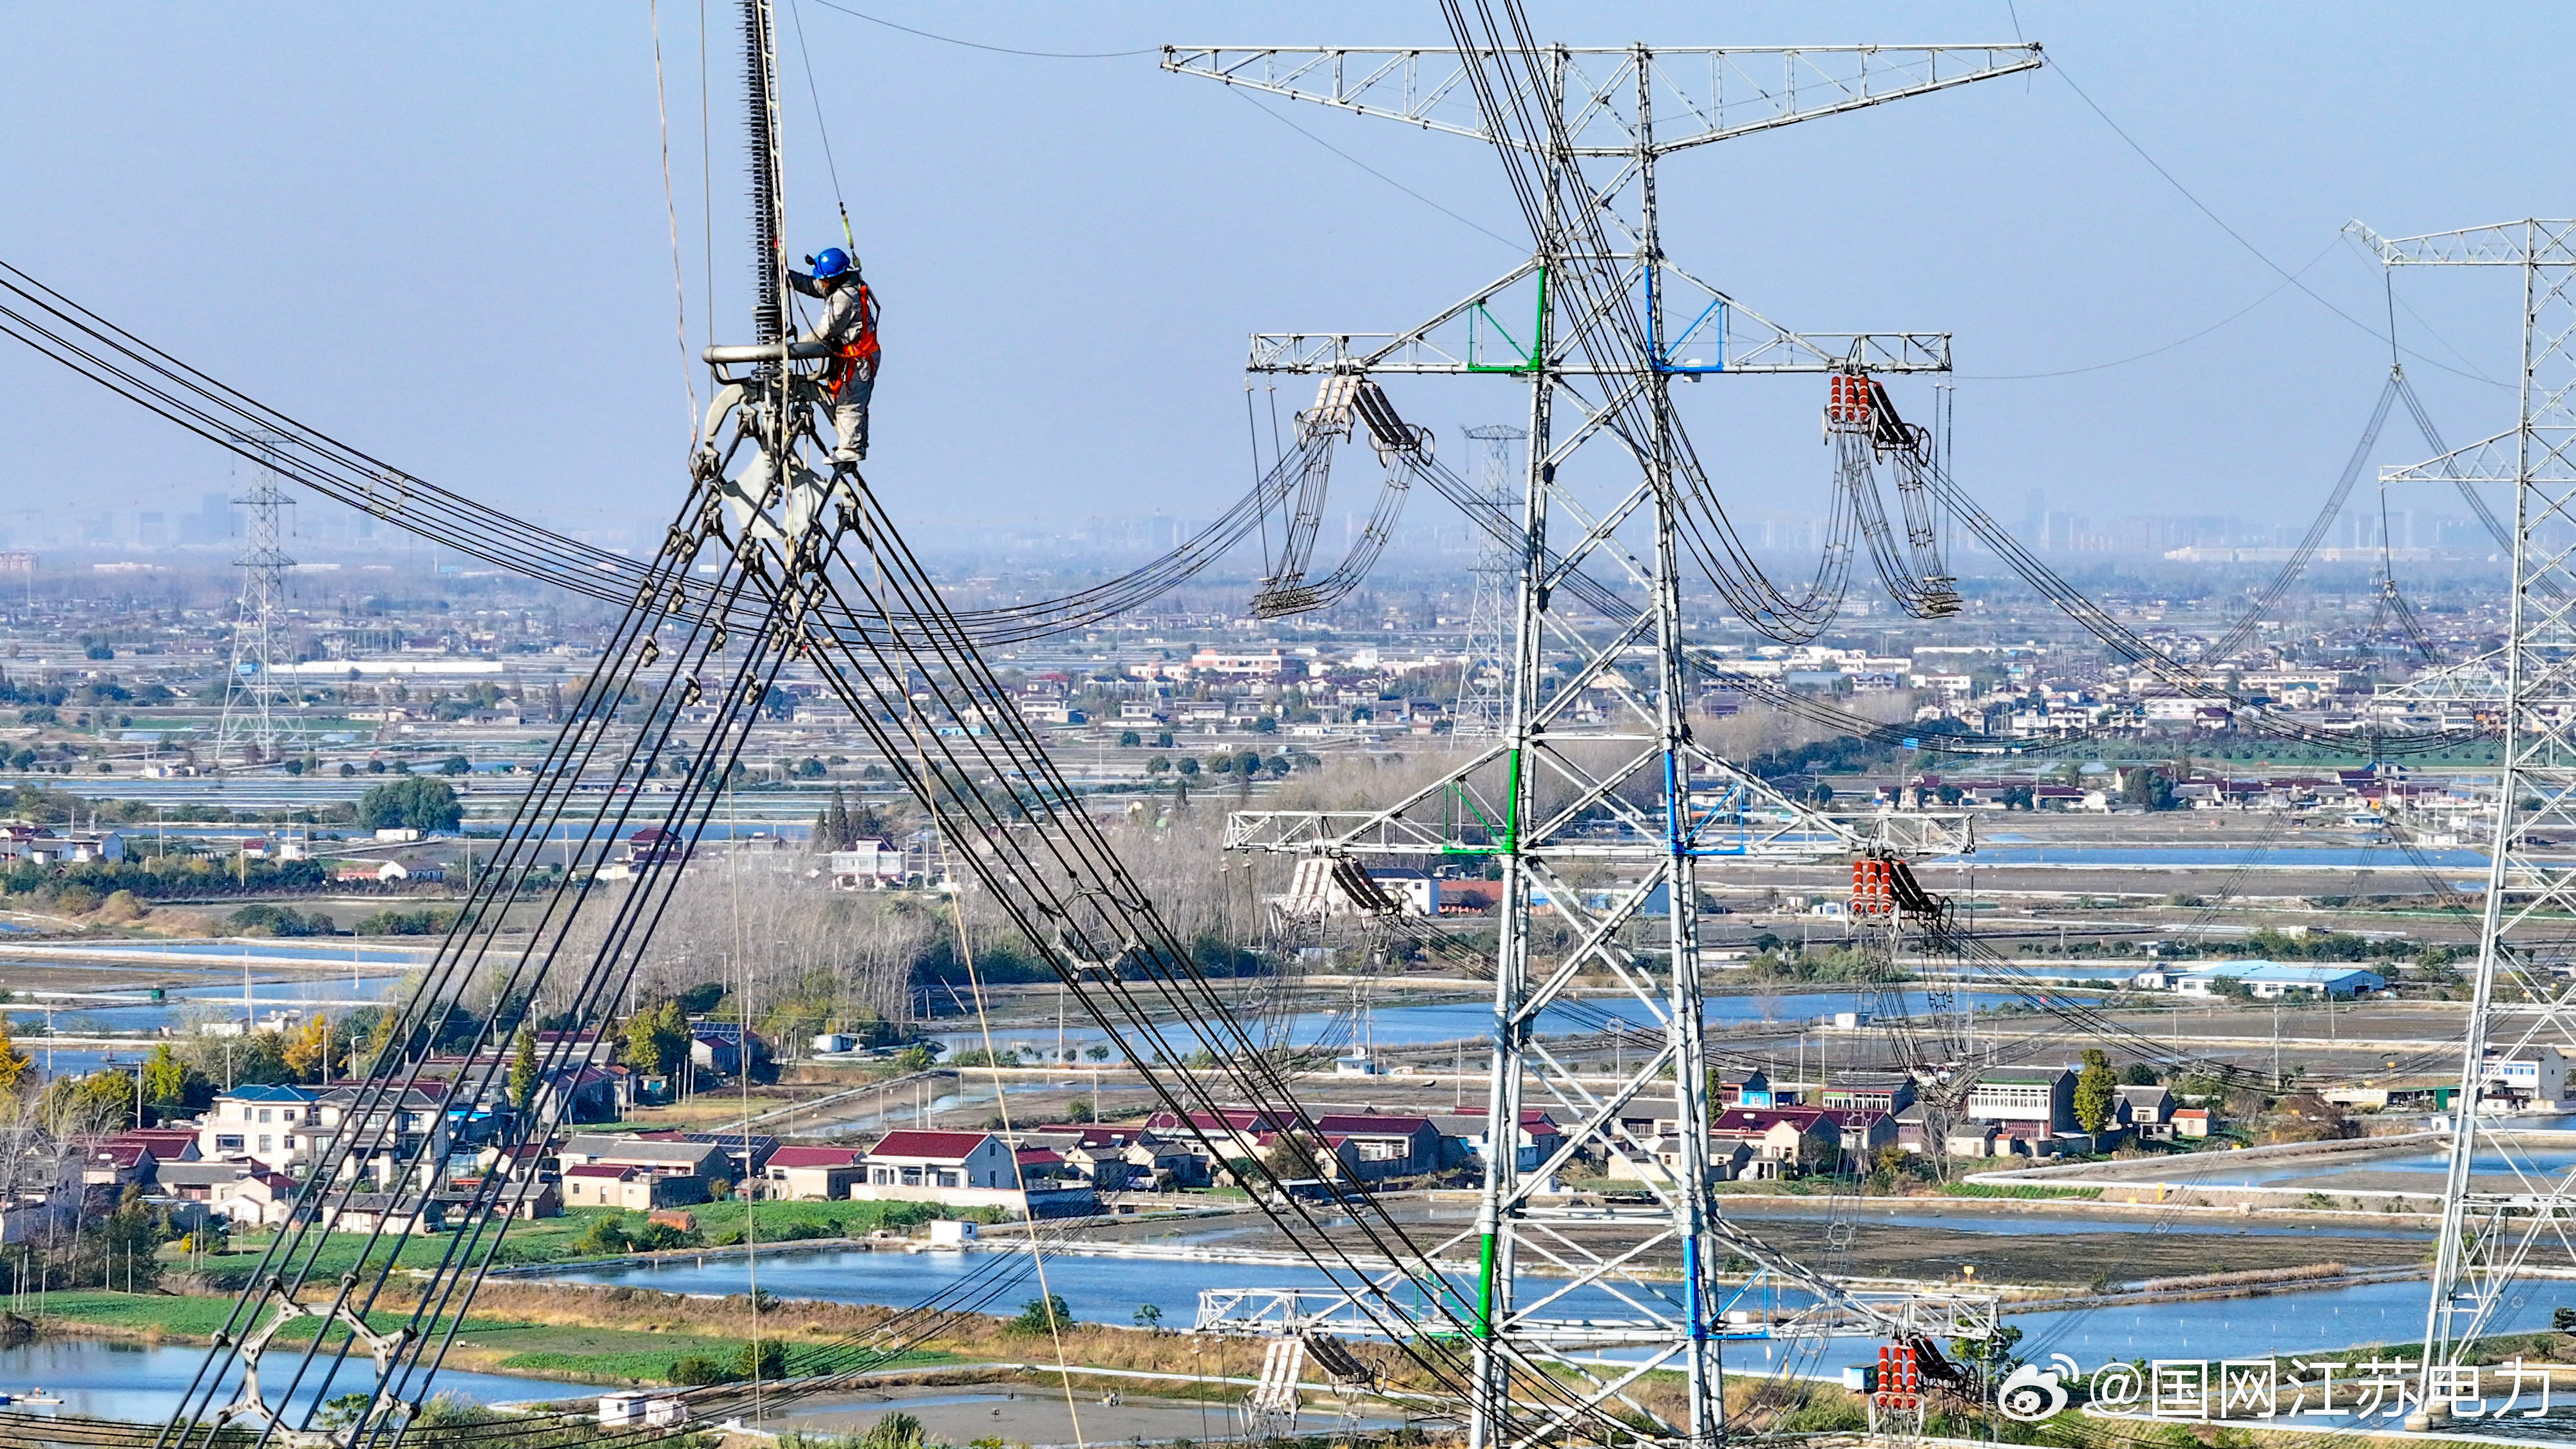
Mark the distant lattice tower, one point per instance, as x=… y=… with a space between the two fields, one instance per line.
x=1487 y=650
x=259 y=705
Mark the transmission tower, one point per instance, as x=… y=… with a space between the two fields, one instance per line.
x=2500 y=1205
x=1595 y=766
x=1481 y=696
x=258 y=705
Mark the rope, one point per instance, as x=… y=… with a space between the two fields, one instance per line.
x=796 y=14
x=1002 y=1105
x=671 y=209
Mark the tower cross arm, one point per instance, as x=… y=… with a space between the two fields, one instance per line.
x=1700 y=93
x=2530 y=242
x=1739 y=339
x=2492 y=460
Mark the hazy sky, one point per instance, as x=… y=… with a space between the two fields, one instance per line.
x=439 y=231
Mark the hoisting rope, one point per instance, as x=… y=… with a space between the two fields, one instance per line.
x=1002 y=1106
x=796 y=14
x=671 y=209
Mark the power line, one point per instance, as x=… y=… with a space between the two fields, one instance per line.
x=996 y=49
x=2289 y=278
x=2277 y=289
x=1373 y=171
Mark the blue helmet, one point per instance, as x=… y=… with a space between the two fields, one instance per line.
x=829 y=263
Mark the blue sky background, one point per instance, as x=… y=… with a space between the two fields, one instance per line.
x=440 y=232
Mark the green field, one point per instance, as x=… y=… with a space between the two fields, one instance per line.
x=555 y=1240
x=572 y=1351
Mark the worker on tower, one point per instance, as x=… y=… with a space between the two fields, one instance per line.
x=848 y=325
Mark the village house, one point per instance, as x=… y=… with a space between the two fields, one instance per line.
x=392 y=1214
x=270 y=1125
x=1780 y=1141
x=745 y=1157
x=814 y=1174
x=168 y=1144
x=200 y=1182
x=1122 y=1158
x=118 y=1164
x=636 y=1189
x=2041 y=1095
x=385 y=1130
x=1464 y=1138
x=866 y=865
x=961 y=1169
x=670 y=1155
x=2147 y=1110
x=261 y=1198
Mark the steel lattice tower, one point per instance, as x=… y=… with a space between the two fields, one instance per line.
x=258 y=704
x=1595 y=769
x=1480 y=710
x=2524 y=1004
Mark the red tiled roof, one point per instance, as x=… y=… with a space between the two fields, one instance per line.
x=1038 y=1157
x=815 y=1157
x=945 y=1146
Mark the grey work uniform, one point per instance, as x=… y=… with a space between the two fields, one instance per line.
x=849 y=313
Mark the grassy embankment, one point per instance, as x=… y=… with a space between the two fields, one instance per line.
x=516 y=1327
x=621 y=1336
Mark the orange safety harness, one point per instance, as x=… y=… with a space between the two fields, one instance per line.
x=861 y=352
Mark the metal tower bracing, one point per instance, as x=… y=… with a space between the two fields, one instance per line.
x=2495 y=1220
x=1480 y=710
x=259 y=705
x=1596 y=775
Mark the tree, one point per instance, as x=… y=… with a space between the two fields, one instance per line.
x=165 y=1077
x=1149 y=1316
x=1990 y=1358
x=456 y=765
x=657 y=1041
x=1129 y=739
x=380 y=1037
x=2137 y=1074
x=833 y=828
x=91 y=1106
x=13 y=1062
x=523 y=1070
x=414 y=802
x=1041 y=1315
x=2148 y=787
x=2097 y=1091
x=308 y=1051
